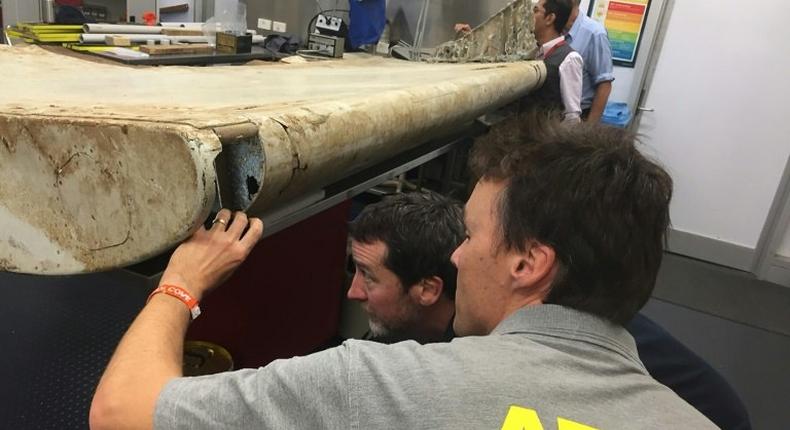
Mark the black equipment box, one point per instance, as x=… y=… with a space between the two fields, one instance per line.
x=233 y=44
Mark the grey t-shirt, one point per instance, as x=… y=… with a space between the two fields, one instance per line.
x=544 y=363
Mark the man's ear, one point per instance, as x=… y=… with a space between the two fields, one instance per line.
x=427 y=291
x=534 y=266
x=550 y=18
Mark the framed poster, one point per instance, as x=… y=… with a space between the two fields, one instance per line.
x=624 y=20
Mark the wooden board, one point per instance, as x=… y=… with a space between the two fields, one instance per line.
x=104 y=165
x=117 y=41
x=190 y=49
x=179 y=8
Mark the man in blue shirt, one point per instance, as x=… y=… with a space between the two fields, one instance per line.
x=589 y=39
x=368 y=18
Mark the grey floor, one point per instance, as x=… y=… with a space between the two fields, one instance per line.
x=741 y=326
x=754 y=361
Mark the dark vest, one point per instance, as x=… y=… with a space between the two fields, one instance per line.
x=548 y=96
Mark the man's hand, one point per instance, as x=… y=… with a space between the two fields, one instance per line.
x=602 y=91
x=209 y=257
x=463 y=28
x=151 y=352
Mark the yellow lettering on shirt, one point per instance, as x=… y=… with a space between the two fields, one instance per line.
x=519 y=418
x=564 y=424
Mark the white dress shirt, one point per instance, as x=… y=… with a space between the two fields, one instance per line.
x=571 y=75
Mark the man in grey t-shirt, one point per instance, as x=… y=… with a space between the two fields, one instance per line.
x=564 y=235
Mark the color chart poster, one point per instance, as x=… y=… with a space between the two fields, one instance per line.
x=624 y=20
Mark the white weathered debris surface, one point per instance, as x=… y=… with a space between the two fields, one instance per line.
x=104 y=165
x=506 y=36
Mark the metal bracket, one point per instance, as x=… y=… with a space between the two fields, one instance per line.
x=279 y=219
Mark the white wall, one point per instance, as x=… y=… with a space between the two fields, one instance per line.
x=621 y=88
x=137 y=8
x=20 y=11
x=721 y=90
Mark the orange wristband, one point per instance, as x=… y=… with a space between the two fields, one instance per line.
x=180 y=294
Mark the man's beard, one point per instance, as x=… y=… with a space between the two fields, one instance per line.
x=401 y=328
x=377 y=329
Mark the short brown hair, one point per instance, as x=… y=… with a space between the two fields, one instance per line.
x=587 y=192
x=420 y=229
x=561 y=10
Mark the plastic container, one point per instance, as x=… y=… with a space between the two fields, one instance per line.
x=616 y=114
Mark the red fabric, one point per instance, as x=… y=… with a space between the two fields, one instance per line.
x=149 y=18
x=75 y=3
x=285 y=299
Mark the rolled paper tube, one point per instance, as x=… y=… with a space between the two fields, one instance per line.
x=91 y=38
x=121 y=29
